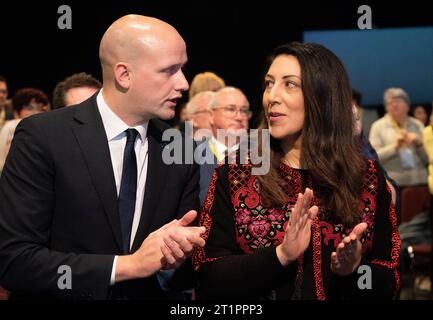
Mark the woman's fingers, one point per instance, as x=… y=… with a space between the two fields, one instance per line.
x=335 y=262
x=308 y=196
x=359 y=229
x=312 y=212
x=294 y=215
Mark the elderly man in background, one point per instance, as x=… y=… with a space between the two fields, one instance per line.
x=199 y=114
x=228 y=120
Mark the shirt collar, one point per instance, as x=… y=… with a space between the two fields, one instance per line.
x=114 y=126
x=221 y=148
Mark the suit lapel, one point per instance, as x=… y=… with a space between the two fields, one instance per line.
x=92 y=139
x=154 y=183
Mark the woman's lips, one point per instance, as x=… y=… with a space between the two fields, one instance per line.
x=275 y=116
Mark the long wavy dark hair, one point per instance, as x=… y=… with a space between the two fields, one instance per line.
x=329 y=150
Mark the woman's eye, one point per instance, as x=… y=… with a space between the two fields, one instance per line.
x=290 y=84
x=268 y=83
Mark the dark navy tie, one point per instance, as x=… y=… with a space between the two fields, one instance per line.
x=128 y=189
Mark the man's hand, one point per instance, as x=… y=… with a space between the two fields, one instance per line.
x=349 y=251
x=180 y=242
x=164 y=248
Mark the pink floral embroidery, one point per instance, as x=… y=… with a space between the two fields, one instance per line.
x=243 y=217
x=259 y=229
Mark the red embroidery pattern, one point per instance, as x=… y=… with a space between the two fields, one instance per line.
x=256 y=226
x=330 y=232
x=199 y=255
x=317 y=260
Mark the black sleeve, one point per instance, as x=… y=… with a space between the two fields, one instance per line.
x=190 y=196
x=224 y=270
x=184 y=278
x=383 y=260
x=27 y=194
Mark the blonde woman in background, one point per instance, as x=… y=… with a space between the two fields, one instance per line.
x=206 y=81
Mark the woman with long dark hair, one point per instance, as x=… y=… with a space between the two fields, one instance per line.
x=302 y=230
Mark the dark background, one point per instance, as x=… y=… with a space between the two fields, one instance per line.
x=231 y=38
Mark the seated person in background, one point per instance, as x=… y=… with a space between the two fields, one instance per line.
x=74 y=90
x=397 y=138
x=230 y=112
x=205 y=81
x=5 y=109
x=420 y=113
x=199 y=113
x=25 y=102
x=270 y=236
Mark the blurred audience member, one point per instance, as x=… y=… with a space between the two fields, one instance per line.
x=199 y=113
x=206 y=81
x=74 y=90
x=397 y=138
x=25 y=102
x=5 y=112
x=230 y=112
x=420 y=113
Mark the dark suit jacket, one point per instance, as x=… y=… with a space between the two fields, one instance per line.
x=58 y=206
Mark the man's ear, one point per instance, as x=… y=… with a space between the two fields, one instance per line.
x=122 y=75
x=211 y=118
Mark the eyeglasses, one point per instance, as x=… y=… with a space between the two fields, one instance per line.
x=230 y=111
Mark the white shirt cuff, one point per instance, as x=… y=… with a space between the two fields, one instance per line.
x=113 y=272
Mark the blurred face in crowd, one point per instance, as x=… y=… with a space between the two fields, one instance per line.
x=397 y=108
x=231 y=112
x=78 y=95
x=202 y=114
x=33 y=108
x=3 y=93
x=420 y=114
x=283 y=99
x=357 y=120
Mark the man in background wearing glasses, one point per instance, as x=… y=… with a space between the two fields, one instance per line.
x=230 y=112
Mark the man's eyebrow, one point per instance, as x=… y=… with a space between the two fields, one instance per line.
x=175 y=66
